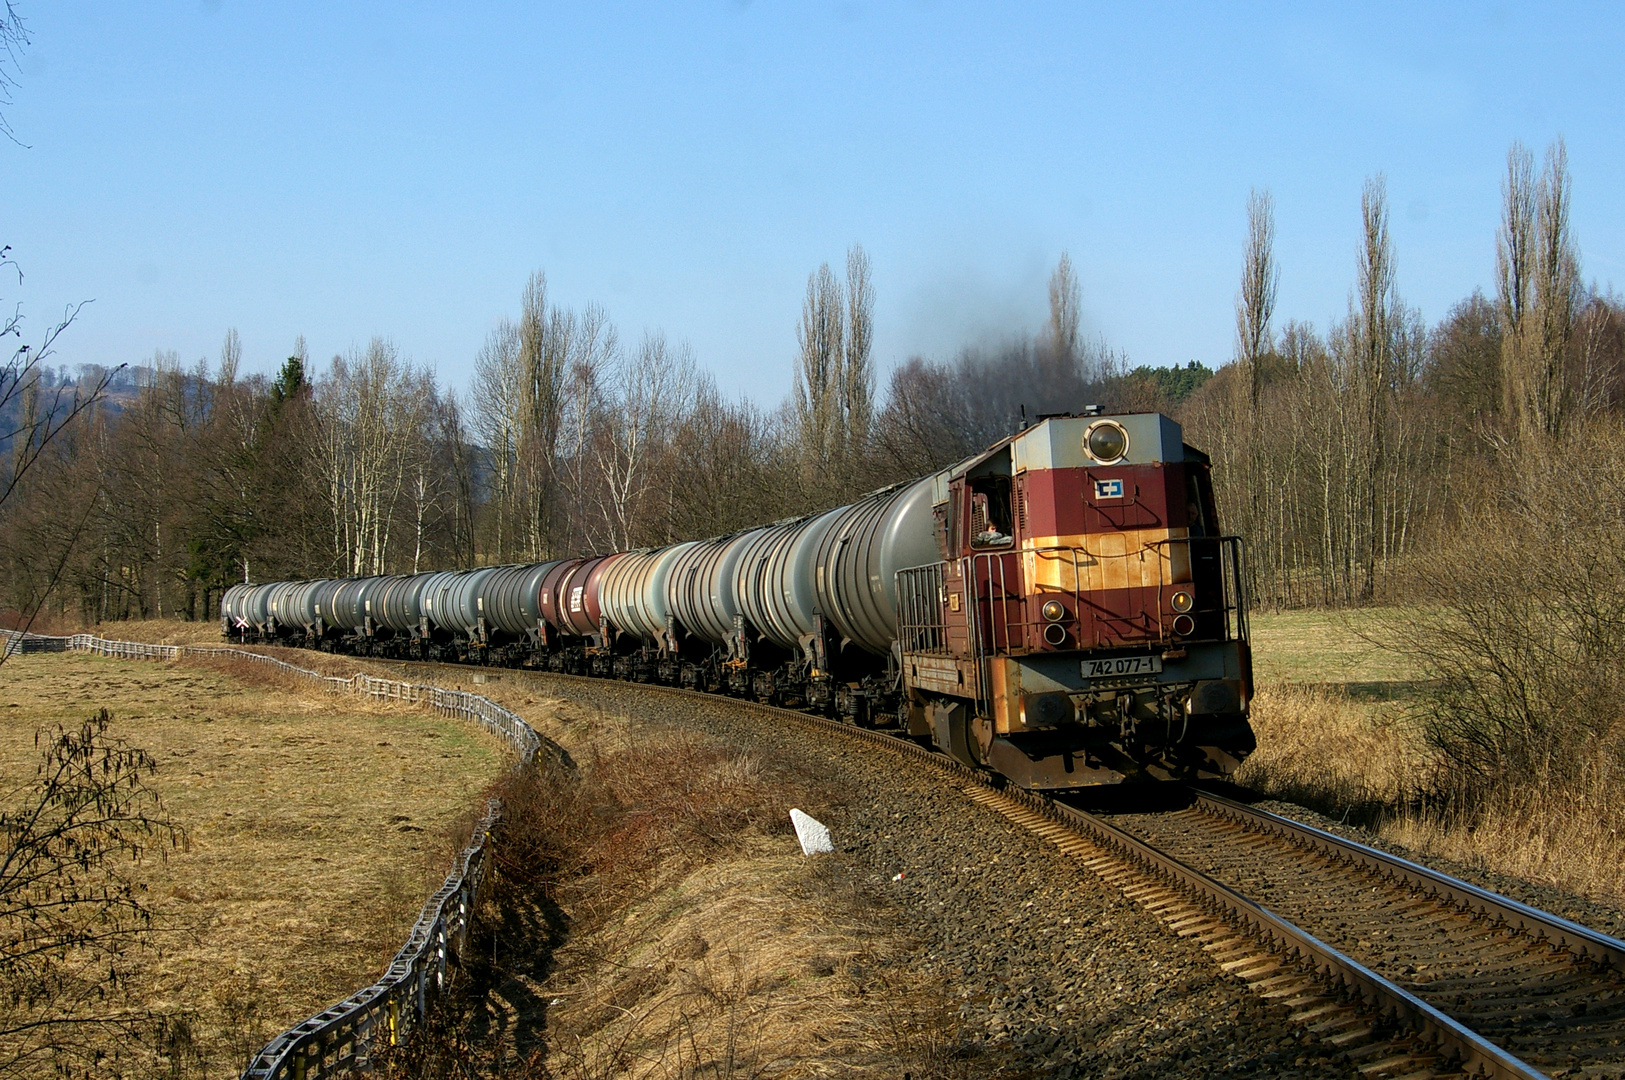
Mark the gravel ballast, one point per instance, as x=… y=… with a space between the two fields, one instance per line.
x=1051 y=972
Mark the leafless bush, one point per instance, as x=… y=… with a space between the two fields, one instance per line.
x=1524 y=639
x=71 y=916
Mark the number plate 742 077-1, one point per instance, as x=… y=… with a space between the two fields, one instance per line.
x=1112 y=666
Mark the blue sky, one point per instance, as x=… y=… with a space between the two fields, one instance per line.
x=346 y=170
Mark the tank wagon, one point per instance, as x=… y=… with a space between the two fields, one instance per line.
x=1062 y=609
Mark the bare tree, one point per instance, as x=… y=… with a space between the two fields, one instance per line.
x=13 y=40
x=231 y=356
x=821 y=335
x=34 y=410
x=1538 y=291
x=498 y=422
x=1371 y=337
x=546 y=336
x=1556 y=292
x=651 y=392
x=1514 y=277
x=1065 y=300
x=923 y=427
x=595 y=352
x=833 y=408
x=1255 y=307
x=37 y=407
x=372 y=406
x=1260 y=279
x=857 y=377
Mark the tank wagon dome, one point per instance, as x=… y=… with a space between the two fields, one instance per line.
x=513 y=597
x=634 y=593
x=701 y=585
x=860 y=553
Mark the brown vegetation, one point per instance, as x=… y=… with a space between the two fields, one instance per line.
x=1448 y=741
x=1368 y=764
x=316 y=827
x=700 y=941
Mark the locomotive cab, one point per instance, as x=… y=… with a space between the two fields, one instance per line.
x=1087 y=622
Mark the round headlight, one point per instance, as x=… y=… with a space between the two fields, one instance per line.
x=1054 y=610
x=1182 y=601
x=1106 y=442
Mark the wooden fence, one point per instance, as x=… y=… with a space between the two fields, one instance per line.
x=338 y=1039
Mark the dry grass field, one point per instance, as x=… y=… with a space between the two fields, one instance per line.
x=685 y=959
x=317 y=826
x=691 y=937
x=1338 y=731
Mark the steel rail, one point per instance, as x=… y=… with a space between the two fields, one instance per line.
x=1582 y=941
x=1388 y=1000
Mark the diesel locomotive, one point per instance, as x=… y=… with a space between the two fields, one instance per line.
x=1062 y=609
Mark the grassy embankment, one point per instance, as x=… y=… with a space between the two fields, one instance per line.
x=657 y=915
x=316 y=827
x=1338 y=715
x=678 y=928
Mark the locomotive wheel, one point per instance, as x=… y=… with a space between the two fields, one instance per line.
x=951 y=730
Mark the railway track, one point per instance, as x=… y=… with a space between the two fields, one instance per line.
x=1544 y=989
x=1411 y=973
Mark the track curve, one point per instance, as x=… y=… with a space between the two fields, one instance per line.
x=1498 y=998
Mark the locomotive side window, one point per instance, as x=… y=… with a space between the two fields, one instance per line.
x=990 y=512
x=1195 y=505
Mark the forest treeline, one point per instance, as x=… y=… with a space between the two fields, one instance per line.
x=1341 y=454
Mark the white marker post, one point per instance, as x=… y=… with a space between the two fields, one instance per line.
x=814 y=836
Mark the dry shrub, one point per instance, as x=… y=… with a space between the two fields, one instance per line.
x=1574 y=840
x=1321 y=749
x=1377 y=765
x=1523 y=713
x=1522 y=642
x=651 y=915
